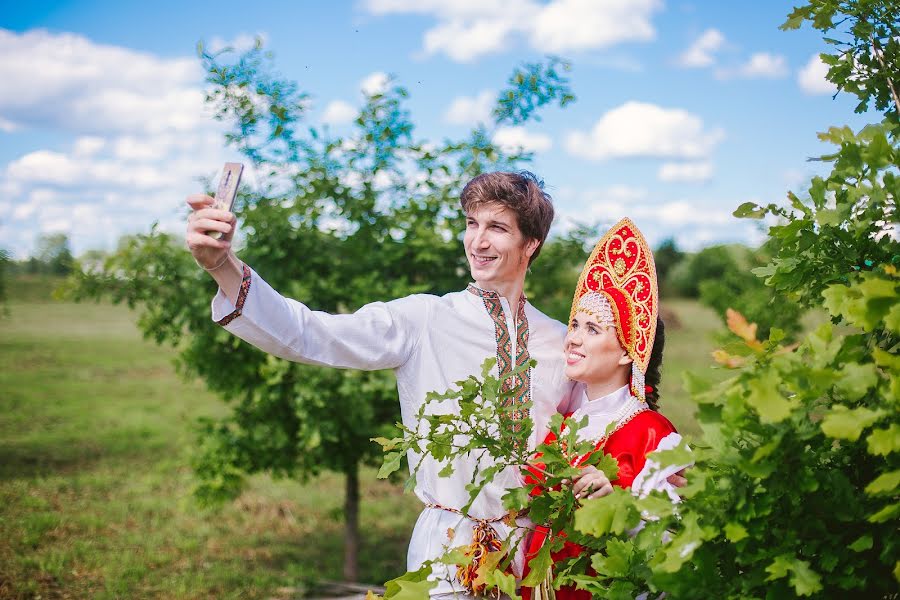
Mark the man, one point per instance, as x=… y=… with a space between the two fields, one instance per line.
x=430 y=342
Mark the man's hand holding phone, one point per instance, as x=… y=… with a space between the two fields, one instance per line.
x=212 y=223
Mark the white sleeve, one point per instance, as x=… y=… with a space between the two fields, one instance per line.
x=653 y=477
x=573 y=399
x=377 y=336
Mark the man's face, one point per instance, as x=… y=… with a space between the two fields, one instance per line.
x=497 y=251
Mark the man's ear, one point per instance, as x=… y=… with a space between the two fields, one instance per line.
x=531 y=246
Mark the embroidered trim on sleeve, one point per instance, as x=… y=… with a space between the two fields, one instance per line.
x=242 y=297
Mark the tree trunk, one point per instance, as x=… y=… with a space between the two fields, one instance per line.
x=351 y=527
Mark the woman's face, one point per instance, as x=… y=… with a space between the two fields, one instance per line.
x=594 y=355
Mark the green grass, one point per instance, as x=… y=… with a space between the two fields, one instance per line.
x=95 y=484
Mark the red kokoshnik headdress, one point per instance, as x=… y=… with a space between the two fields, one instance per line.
x=621 y=270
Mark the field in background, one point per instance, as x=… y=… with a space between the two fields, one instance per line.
x=95 y=484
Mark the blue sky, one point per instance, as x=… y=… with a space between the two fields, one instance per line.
x=684 y=111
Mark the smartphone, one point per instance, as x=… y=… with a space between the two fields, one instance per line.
x=227 y=191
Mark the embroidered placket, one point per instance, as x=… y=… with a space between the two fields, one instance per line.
x=519 y=384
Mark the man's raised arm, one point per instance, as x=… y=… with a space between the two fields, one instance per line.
x=378 y=336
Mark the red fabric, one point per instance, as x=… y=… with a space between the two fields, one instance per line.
x=630 y=446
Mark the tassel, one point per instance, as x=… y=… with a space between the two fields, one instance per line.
x=484 y=541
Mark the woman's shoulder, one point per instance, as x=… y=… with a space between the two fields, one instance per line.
x=651 y=418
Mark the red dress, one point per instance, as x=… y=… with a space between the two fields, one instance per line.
x=630 y=446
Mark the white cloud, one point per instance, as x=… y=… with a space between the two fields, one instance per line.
x=759 y=65
x=141 y=138
x=513 y=139
x=8 y=126
x=466 y=110
x=812 y=77
x=638 y=129
x=468 y=29
x=374 y=83
x=694 y=223
x=701 y=52
x=88 y=145
x=67 y=82
x=464 y=42
x=681 y=212
x=239 y=43
x=566 y=25
x=687 y=171
x=338 y=112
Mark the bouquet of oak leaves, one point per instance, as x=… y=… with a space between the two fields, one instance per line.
x=620 y=533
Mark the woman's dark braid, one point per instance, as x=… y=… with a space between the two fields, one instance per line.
x=654 y=367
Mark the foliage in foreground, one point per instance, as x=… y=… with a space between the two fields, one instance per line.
x=796 y=488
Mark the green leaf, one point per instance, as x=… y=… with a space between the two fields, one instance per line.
x=616 y=560
x=694 y=384
x=538 y=565
x=656 y=505
x=892 y=319
x=680 y=455
x=856 y=379
x=614 y=513
x=766 y=449
x=446 y=470
x=456 y=556
x=805 y=581
x=413 y=585
x=750 y=210
x=505 y=582
x=682 y=547
x=886 y=360
x=882 y=442
x=862 y=544
x=768 y=401
x=516 y=498
x=885 y=483
x=409 y=590
x=835 y=299
x=848 y=424
x=796 y=18
x=735 y=532
x=391 y=463
x=888 y=513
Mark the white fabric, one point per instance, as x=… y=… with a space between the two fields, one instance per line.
x=653 y=477
x=602 y=412
x=430 y=342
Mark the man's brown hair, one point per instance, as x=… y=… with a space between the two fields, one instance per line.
x=521 y=192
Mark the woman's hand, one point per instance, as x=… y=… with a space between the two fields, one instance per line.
x=677 y=479
x=591 y=483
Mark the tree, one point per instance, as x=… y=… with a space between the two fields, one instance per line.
x=4 y=273
x=796 y=487
x=796 y=490
x=337 y=222
x=667 y=255
x=721 y=277
x=53 y=255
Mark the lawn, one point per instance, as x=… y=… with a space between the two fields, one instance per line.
x=96 y=434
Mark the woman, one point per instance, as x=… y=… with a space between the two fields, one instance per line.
x=614 y=347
